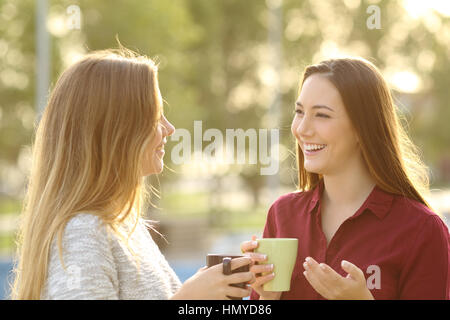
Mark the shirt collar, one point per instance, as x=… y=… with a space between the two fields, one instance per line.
x=315 y=197
x=378 y=202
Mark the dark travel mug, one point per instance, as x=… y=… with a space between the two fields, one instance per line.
x=213 y=259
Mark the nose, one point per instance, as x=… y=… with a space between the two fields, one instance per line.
x=168 y=127
x=304 y=128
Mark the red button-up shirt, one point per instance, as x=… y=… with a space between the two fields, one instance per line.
x=402 y=247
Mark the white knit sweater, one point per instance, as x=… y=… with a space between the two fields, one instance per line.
x=100 y=266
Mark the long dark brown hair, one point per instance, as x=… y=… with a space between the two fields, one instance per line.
x=391 y=158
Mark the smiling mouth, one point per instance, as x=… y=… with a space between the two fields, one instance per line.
x=313 y=148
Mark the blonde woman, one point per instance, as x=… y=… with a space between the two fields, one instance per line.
x=82 y=235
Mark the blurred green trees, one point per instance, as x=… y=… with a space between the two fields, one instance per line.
x=214 y=64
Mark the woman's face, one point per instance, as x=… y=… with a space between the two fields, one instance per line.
x=322 y=128
x=154 y=154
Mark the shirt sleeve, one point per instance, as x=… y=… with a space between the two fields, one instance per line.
x=90 y=272
x=269 y=232
x=426 y=269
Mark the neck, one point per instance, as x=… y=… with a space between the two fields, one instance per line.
x=348 y=187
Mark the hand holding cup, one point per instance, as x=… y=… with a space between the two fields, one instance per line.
x=212 y=284
x=247 y=248
x=226 y=261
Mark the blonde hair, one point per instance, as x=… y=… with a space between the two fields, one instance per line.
x=391 y=157
x=87 y=156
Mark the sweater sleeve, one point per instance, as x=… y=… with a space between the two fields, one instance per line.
x=426 y=269
x=90 y=272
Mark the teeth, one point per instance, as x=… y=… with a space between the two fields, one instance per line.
x=311 y=147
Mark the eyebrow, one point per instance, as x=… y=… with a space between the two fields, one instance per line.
x=317 y=106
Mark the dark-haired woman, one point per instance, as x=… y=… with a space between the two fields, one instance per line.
x=365 y=230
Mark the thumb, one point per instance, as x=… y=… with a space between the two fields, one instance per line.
x=353 y=271
x=202 y=269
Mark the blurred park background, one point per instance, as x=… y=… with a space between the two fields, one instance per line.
x=232 y=64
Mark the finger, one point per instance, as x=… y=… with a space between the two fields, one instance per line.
x=249 y=246
x=256 y=257
x=237 y=292
x=328 y=278
x=260 y=281
x=317 y=284
x=331 y=277
x=240 y=277
x=353 y=271
x=262 y=268
x=240 y=262
x=252 y=280
x=312 y=266
x=202 y=269
x=321 y=278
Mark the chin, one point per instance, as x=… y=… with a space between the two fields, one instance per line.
x=314 y=170
x=157 y=169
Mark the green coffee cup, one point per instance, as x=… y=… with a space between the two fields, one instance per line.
x=282 y=253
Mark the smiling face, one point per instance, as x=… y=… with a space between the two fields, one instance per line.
x=153 y=162
x=323 y=129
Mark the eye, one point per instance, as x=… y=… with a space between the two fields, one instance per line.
x=323 y=115
x=298 y=111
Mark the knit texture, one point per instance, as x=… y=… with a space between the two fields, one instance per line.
x=99 y=264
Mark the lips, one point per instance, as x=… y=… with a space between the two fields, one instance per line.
x=313 y=148
x=161 y=146
x=160 y=151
